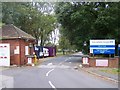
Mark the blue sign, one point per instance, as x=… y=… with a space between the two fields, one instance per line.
x=102 y=46
x=119 y=47
x=37 y=50
x=103 y=51
x=119 y=50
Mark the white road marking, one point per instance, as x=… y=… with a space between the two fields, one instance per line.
x=51 y=84
x=60 y=63
x=49 y=72
x=66 y=60
x=49 y=64
x=69 y=57
x=69 y=62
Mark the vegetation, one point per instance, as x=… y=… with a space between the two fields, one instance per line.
x=34 y=18
x=78 y=21
x=111 y=71
x=82 y=21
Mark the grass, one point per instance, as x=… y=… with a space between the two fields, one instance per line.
x=1 y=24
x=112 y=71
x=59 y=53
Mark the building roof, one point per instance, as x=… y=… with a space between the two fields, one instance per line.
x=12 y=32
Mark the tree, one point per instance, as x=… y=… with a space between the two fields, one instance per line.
x=29 y=17
x=83 y=21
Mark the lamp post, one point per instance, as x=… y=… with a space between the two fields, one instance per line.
x=30 y=46
x=84 y=44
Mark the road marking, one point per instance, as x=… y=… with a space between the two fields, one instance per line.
x=69 y=57
x=64 y=61
x=69 y=62
x=51 y=85
x=49 y=72
x=49 y=64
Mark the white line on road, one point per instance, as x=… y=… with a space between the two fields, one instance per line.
x=69 y=57
x=65 y=61
x=69 y=62
x=49 y=64
x=51 y=84
x=49 y=72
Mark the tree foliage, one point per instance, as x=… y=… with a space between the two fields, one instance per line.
x=30 y=17
x=83 y=21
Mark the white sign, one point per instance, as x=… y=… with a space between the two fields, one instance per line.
x=101 y=62
x=17 y=50
x=102 y=42
x=29 y=60
x=118 y=45
x=4 y=54
x=26 y=50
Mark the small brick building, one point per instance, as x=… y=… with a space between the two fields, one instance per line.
x=19 y=41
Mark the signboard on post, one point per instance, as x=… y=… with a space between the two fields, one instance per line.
x=119 y=50
x=102 y=46
x=118 y=46
x=4 y=54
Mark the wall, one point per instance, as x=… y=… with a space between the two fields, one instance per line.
x=112 y=62
x=17 y=59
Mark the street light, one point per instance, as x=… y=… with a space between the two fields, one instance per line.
x=30 y=46
x=84 y=44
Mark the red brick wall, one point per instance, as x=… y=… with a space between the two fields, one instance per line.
x=17 y=59
x=112 y=62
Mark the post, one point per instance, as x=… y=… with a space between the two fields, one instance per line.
x=30 y=46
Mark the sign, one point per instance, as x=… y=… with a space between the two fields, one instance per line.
x=119 y=50
x=17 y=50
x=26 y=50
x=103 y=51
x=118 y=46
x=29 y=60
x=101 y=62
x=4 y=54
x=102 y=46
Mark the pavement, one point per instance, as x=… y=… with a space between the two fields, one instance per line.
x=100 y=72
x=6 y=81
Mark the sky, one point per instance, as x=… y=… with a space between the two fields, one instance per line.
x=55 y=36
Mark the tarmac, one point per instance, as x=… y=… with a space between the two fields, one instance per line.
x=100 y=71
x=91 y=70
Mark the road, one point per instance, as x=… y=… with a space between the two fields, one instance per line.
x=58 y=72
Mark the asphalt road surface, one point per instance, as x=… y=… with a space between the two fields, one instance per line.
x=58 y=72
